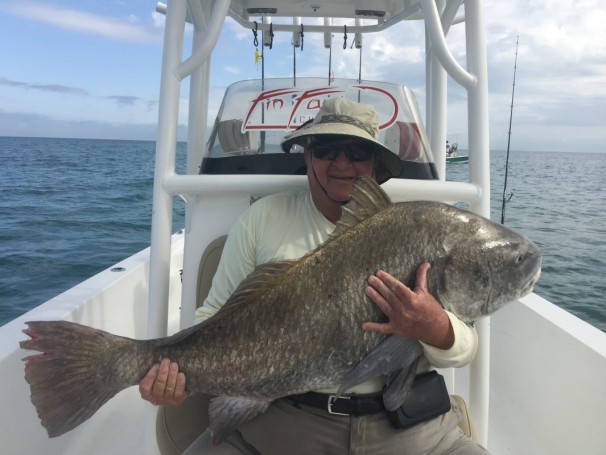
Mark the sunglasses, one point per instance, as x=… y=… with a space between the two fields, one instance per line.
x=354 y=152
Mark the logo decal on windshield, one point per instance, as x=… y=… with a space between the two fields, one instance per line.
x=289 y=108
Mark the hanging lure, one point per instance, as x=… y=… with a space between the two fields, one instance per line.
x=257 y=58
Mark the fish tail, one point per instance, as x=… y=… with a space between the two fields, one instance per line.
x=78 y=369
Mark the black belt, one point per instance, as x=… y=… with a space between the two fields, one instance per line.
x=345 y=405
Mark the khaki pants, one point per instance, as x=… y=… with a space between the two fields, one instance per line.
x=288 y=428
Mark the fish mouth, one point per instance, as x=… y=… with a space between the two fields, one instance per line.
x=525 y=290
x=530 y=285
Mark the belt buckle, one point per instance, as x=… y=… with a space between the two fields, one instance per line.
x=331 y=401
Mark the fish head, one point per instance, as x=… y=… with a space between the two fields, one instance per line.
x=481 y=275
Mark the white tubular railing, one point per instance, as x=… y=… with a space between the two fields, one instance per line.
x=439 y=46
x=474 y=80
x=202 y=53
x=479 y=174
x=210 y=185
x=438 y=109
x=165 y=165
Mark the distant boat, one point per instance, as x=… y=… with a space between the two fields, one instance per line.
x=457 y=159
x=452 y=155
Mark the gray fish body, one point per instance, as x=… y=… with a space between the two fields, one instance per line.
x=295 y=326
x=312 y=317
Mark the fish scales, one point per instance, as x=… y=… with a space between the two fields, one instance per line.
x=310 y=349
x=295 y=326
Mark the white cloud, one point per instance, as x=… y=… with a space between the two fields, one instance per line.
x=56 y=88
x=79 y=21
x=560 y=81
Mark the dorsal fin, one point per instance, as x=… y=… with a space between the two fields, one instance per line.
x=367 y=199
x=258 y=281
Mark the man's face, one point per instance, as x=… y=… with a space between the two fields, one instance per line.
x=336 y=164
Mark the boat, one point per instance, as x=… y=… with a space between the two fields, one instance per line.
x=457 y=159
x=452 y=155
x=536 y=384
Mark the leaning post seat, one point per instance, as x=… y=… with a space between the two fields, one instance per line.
x=178 y=427
x=233 y=140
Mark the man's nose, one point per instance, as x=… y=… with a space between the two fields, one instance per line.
x=341 y=158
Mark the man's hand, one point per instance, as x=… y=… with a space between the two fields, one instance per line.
x=414 y=313
x=164 y=385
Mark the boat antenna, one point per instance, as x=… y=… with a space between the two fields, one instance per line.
x=505 y=198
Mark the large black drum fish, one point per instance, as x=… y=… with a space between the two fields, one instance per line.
x=295 y=326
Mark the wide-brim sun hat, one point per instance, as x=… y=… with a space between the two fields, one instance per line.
x=343 y=117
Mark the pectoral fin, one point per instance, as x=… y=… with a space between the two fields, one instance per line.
x=398 y=385
x=394 y=353
x=228 y=413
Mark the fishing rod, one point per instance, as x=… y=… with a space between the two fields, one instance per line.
x=506 y=200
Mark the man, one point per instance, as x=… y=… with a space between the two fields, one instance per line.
x=340 y=144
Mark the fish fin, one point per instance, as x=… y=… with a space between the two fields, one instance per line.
x=262 y=278
x=391 y=354
x=367 y=199
x=68 y=382
x=398 y=384
x=228 y=413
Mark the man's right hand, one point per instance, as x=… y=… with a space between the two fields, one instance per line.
x=164 y=385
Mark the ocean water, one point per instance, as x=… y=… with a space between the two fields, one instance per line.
x=558 y=201
x=72 y=207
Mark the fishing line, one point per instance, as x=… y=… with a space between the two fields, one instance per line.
x=505 y=199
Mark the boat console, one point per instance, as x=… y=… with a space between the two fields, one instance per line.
x=256 y=114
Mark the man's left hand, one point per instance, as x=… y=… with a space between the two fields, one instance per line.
x=414 y=313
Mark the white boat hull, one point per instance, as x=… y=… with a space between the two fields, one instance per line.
x=112 y=301
x=547 y=380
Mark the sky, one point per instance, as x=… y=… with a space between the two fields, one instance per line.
x=91 y=69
